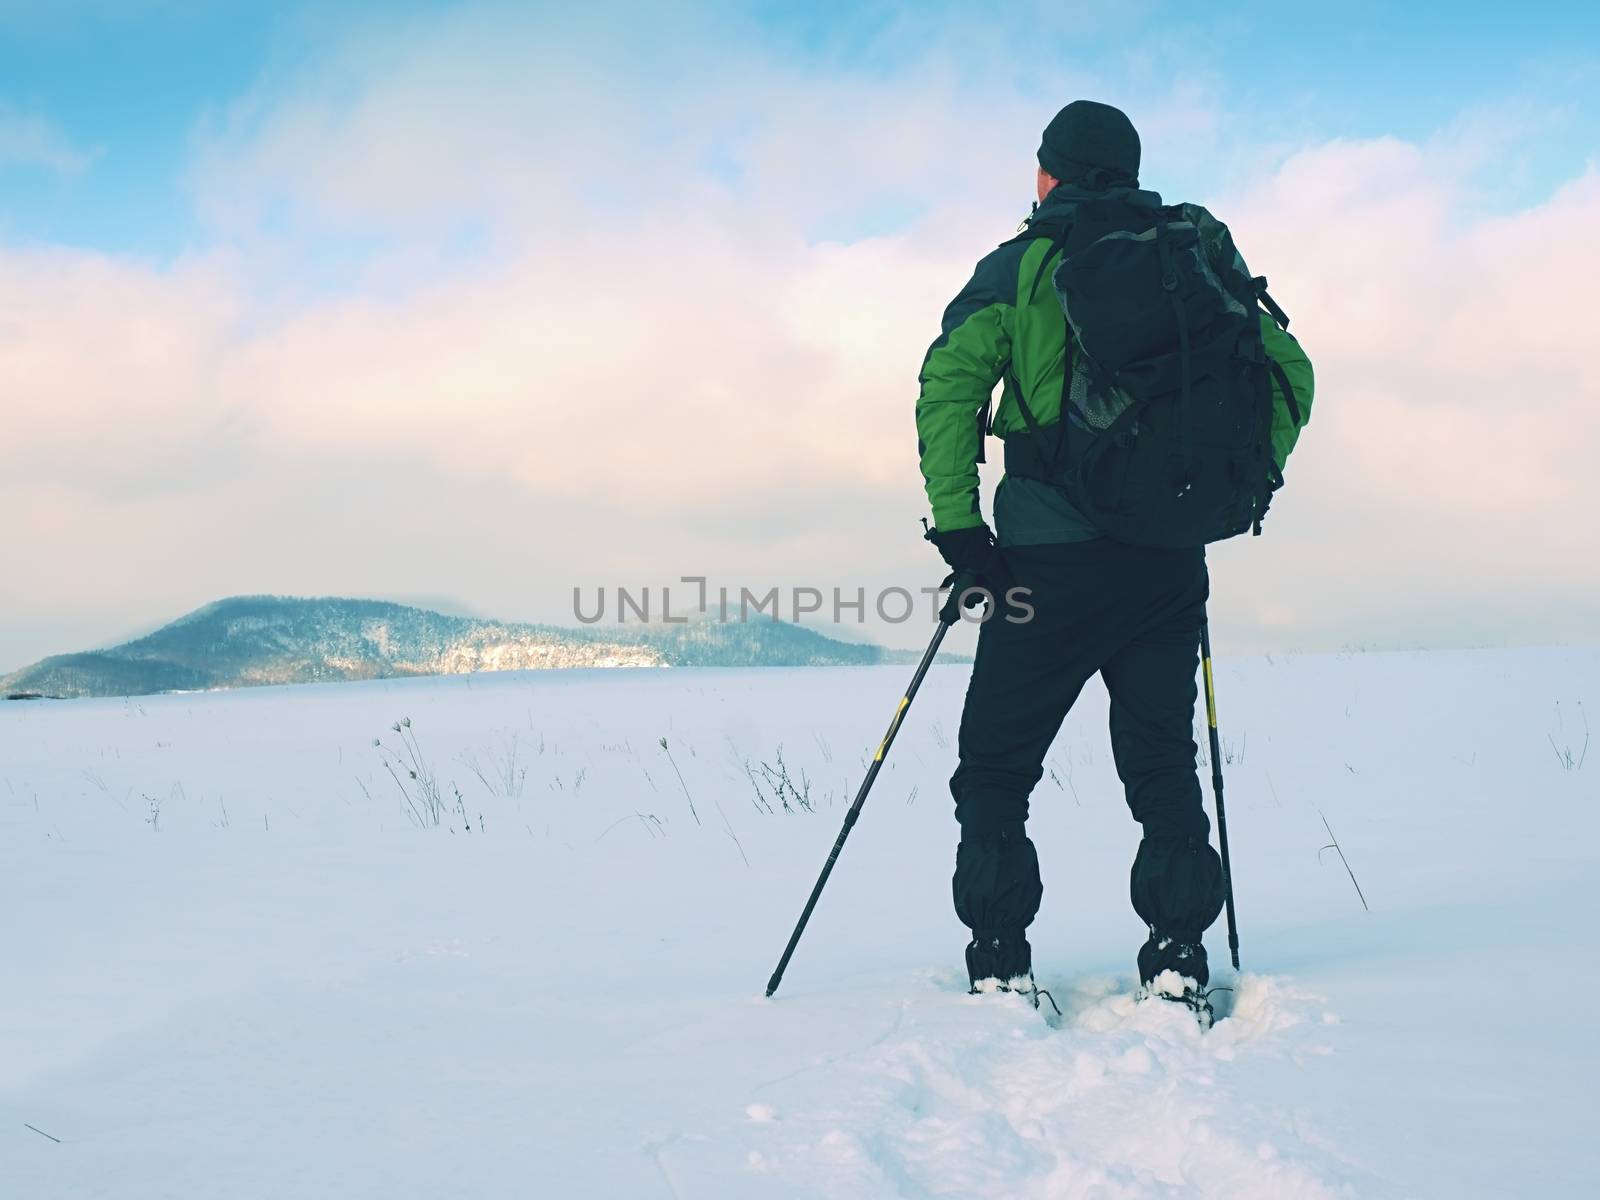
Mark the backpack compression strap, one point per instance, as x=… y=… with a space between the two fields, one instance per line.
x=1169 y=283
x=1267 y=302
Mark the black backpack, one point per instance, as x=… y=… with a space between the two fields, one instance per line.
x=1166 y=405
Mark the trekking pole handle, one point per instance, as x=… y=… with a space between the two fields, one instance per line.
x=961 y=582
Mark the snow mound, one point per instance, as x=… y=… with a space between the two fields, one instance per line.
x=982 y=1095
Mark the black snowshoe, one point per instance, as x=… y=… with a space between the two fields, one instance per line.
x=1003 y=962
x=1176 y=989
x=1021 y=985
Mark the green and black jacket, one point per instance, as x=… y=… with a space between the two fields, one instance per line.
x=1000 y=326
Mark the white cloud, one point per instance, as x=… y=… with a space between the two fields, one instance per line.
x=29 y=140
x=1448 y=470
x=115 y=373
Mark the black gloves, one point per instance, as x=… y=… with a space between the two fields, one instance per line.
x=972 y=553
x=964 y=549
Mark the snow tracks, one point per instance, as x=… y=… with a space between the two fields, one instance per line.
x=982 y=1096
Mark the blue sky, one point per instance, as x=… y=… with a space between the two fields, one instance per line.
x=125 y=88
x=126 y=93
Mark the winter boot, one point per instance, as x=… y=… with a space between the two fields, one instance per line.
x=1174 y=968
x=999 y=961
x=1173 y=952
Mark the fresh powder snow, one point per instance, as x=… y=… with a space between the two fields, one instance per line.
x=506 y=936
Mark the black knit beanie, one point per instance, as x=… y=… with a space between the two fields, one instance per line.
x=1091 y=144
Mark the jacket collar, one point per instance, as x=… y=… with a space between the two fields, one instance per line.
x=1064 y=197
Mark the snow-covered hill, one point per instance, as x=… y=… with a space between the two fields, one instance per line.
x=249 y=641
x=247 y=954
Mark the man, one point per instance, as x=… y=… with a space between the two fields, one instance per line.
x=1131 y=612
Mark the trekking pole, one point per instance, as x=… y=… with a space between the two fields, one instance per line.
x=947 y=617
x=1216 y=787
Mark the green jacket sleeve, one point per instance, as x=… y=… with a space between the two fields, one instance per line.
x=958 y=375
x=1282 y=346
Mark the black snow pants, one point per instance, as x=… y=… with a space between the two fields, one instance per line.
x=1133 y=614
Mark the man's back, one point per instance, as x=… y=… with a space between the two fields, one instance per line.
x=1095 y=604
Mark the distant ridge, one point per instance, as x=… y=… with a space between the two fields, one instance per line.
x=248 y=641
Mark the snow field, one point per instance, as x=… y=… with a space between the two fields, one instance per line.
x=238 y=964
